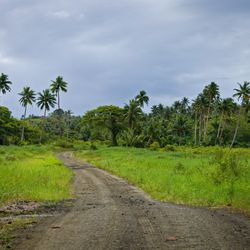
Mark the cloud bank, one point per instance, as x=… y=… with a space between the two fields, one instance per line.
x=109 y=50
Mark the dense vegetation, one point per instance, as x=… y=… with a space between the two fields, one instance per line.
x=201 y=176
x=207 y=120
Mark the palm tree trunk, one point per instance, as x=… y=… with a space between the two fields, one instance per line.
x=219 y=128
x=206 y=120
x=200 y=129
x=195 y=129
x=204 y=127
x=44 y=116
x=113 y=138
x=221 y=132
x=236 y=129
x=24 y=116
x=58 y=99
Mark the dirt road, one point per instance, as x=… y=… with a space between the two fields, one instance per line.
x=108 y=214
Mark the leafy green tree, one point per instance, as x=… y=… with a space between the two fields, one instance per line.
x=243 y=94
x=28 y=97
x=58 y=85
x=4 y=84
x=108 y=117
x=9 y=126
x=142 y=98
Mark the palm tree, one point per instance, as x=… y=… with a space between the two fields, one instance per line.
x=195 y=109
x=177 y=106
x=142 y=98
x=68 y=116
x=46 y=100
x=226 y=107
x=5 y=84
x=243 y=94
x=28 y=96
x=180 y=127
x=157 y=110
x=200 y=105
x=184 y=105
x=211 y=92
x=58 y=85
x=132 y=113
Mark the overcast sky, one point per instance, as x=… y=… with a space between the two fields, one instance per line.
x=108 y=50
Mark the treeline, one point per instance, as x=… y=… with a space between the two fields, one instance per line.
x=206 y=120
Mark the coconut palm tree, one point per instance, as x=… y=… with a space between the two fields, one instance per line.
x=177 y=106
x=243 y=94
x=184 y=105
x=226 y=107
x=28 y=97
x=4 y=84
x=180 y=127
x=200 y=106
x=46 y=100
x=133 y=113
x=142 y=98
x=58 y=85
x=195 y=110
x=211 y=92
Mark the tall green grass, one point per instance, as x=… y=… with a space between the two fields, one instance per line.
x=190 y=176
x=32 y=173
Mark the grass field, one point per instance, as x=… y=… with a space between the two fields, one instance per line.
x=32 y=173
x=200 y=176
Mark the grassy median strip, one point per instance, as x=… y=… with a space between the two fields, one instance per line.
x=208 y=176
x=32 y=173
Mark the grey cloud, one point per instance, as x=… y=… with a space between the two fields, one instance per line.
x=109 y=50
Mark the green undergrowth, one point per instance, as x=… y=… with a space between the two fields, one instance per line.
x=32 y=173
x=199 y=176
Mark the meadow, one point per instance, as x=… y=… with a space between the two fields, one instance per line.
x=32 y=173
x=199 y=176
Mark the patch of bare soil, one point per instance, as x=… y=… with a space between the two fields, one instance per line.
x=19 y=208
x=16 y=217
x=108 y=213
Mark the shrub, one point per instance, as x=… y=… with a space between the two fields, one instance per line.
x=154 y=146
x=169 y=148
x=64 y=144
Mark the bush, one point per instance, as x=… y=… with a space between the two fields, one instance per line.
x=64 y=144
x=169 y=148
x=154 y=146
